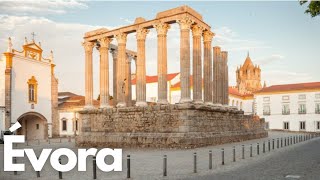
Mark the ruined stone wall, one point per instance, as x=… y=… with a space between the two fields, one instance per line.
x=166 y=126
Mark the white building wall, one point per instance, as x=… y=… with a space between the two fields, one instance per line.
x=276 y=119
x=22 y=70
x=70 y=117
x=151 y=92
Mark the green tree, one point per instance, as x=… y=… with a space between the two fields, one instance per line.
x=313 y=7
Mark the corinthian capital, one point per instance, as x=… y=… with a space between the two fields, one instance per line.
x=142 y=33
x=197 y=30
x=104 y=42
x=185 y=22
x=162 y=28
x=207 y=36
x=88 y=46
x=121 y=38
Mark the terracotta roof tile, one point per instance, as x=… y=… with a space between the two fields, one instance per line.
x=153 y=79
x=291 y=87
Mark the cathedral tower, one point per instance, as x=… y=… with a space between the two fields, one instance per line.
x=248 y=77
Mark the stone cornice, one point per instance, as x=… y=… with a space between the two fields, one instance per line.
x=170 y=18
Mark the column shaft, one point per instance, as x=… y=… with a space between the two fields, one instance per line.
x=215 y=85
x=121 y=69
x=104 y=72
x=185 y=24
x=141 y=68
x=162 y=29
x=207 y=62
x=115 y=57
x=88 y=75
x=197 y=65
x=128 y=90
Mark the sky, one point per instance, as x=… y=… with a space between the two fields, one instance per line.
x=279 y=36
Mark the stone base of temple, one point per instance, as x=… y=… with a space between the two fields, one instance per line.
x=167 y=126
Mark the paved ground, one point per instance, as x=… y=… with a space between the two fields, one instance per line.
x=302 y=162
x=148 y=163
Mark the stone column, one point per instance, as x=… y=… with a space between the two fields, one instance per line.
x=114 y=53
x=215 y=85
x=207 y=69
x=128 y=90
x=197 y=65
x=104 y=72
x=185 y=24
x=121 y=69
x=88 y=75
x=141 y=67
x=162 y=29
x=225 y=77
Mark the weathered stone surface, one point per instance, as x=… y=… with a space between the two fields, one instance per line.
x=167 y=126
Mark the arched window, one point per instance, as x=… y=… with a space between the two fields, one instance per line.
x=32 y=90
x=237 y=104
x=240 y=105
x=232 y=102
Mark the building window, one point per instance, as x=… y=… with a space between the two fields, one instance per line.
x=64 y=125
x=232 y=102
x=302 y=96
x=267 y=125
x=318 y=125
x=37 y=126
x=302 y=125
x=240 y=105
x=266 y=110
x=266 y=99
x=32 y=90
x=317 y=96
x=317 y=109
x=302 y=109
x=285 y=109
x=76 y=125
x=286 y=125
x=285 y=98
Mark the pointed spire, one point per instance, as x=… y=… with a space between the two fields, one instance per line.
x=25 y=41
x=9 y=45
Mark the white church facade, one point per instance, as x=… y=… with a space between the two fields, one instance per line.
x=28 y=91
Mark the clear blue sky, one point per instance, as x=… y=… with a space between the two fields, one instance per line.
x=283 y=40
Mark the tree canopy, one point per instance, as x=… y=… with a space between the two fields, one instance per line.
x=313 y=7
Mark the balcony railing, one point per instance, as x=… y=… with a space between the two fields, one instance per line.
x=302 y=111
x=285 y=112
x=266 y=113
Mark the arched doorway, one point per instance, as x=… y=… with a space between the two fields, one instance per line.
x=33 y=126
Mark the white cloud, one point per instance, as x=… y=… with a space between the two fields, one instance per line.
x=231 y=41
x=39 y=7
x=269 y=59
x=275 y=77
